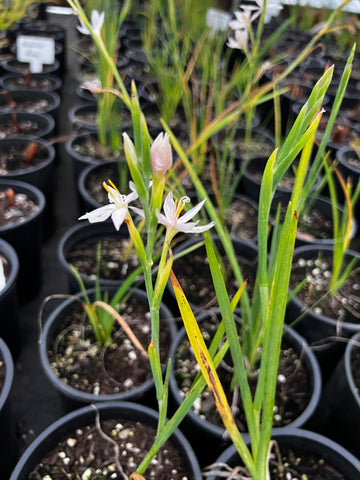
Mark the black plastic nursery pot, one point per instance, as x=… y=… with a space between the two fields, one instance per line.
x=349 y=166
x=90 y=183
x=340 y=404
x=9 y=308
x=326 y=335
x=88 y=235
x=31 y=101
x=75 y=398
x=84 y=150
x=7 y=456
x=300 y=442
x=12 y=65
x=193 y=271
x=35 y=125
x=317 y=227
x=209 y=437
x=40 y=172
x=83 y=117
x=36 y=81
x=78 y=419
x=26 y=238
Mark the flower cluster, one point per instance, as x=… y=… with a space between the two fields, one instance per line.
x=118 y=207
x=245 y=17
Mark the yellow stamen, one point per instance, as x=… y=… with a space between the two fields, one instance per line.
x=107 y=188
x=181 y=205
x=113 y=186
x=180 y=208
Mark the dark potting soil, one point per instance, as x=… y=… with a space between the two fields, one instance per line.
x=293 y=464
x=17 y=209
x=86 y=119
x=343 y=306
x=241 y=220
x=30 y=82
x=80 y=362
x=29 y=106
x=118 y=259
x=252 y=148
x=254 y=171
x=94 y=182
x=18 y=127
x=312 y=225
x=194 y=276
x=19 y=157
x=97 y=452
x=89 y=147
x=292 y=392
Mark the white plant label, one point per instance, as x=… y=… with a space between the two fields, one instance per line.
x=36 y=51
x=217 y=19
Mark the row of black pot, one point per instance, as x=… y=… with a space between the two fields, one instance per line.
x=196 y=427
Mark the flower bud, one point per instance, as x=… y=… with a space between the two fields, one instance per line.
x=129 y=149
x=161 y=155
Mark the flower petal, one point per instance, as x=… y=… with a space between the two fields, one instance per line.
x=99 y=214
x=169 y=207
x=138 y=211
x=192 y=212
x=118 y=216
x=162 y=219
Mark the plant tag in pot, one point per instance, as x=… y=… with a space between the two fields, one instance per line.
x=36 y=51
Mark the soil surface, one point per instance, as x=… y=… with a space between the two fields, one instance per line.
x=293 y=464
x=94 y=182
x=117 y=259
x=29 y=106
x=241 y=220
x=17 y=209
x=102 y=451
x=193 y=274
x=80 y=362
x=87 y=146
x=17 y=156
x=344 y=305
x=19 y=127
x=293 y=382
x=29 y=82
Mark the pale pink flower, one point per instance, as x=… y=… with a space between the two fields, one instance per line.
x=97 y=20
x=117 y=208
x=161 y=154
x=172 y=220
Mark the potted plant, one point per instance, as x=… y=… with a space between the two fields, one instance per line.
x=123 y=418
x=23 y=230
x=6 y=435
x=9 y=308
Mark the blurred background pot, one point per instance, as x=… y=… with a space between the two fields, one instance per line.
x=26 y=236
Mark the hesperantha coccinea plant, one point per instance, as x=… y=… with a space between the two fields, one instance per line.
x=162 y=213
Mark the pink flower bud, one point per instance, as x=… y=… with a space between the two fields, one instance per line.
x=161 y=155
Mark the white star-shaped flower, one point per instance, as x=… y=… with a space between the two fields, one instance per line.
x=239 y=40
x=117 y=208
x=244 y=17
x=97 y=20
x=172 y=220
